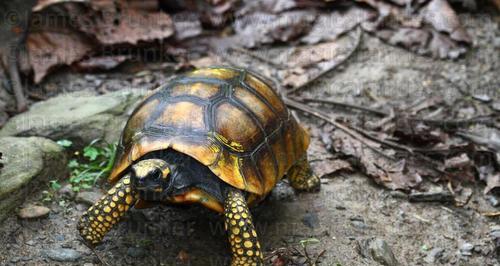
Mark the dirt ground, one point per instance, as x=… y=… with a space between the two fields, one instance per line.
x=348 y=209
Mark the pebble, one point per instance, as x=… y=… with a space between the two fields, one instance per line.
x=493 y=200
x=30 y=242
x=466 y=249
x=398 y=194
x=88 y=197
x=88 y=264
x=310 y=220
x=359 y=224
x=67 y=191
x=33 y=211
x=63 y=254
x=136 y=252
x=434 y=255
x=378 y=250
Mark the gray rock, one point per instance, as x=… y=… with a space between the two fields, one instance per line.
x=359 y=224
x=136 y=252
x=311 y=220
x=28 y=163
x=466 y=249
x=81 y=117
x=88 y=197
x=378 y=250
x=493 y=200
x=434 y=255
x=67 y=191
x=63 y=254
x=33 y=211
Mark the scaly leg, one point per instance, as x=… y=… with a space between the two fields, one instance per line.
x=104 y=214
x=302 y=177
x=245 y=246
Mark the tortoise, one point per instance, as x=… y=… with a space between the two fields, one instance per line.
x=217 y=136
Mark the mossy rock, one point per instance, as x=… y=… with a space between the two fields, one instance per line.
x=28 y=164
x=81 y=117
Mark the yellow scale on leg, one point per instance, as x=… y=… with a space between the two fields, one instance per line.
x=245 y=246
x=100 y=218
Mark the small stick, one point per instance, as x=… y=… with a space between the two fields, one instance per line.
x=348 y=105
x=345 y=129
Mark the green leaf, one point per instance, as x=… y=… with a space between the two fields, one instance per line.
x=309 y=241
x=73 y=163
x=54 y=184
x=64 y=143
x=91 y=153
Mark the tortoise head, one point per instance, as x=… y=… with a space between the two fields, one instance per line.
x=151 y=179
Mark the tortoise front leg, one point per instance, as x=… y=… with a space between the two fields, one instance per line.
x=238 y=223
x=104 y=214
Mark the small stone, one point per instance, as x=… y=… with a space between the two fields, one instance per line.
x=88 y=264
x=59 y=237
x=434 y=255
x=136 y=252
x=359 y=224
x=496 y=106
x=33 y=211
x=493 y=200
x=30 y=242
x=466 y=249
x=311 y=220
x=88 y=197
x=482 y=97
x=340 y=207
x=63 y=254
x=67 y=191
x=15 y=259
x=378 y=250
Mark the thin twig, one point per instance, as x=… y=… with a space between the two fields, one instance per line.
x=342 y=60
x=348 y=105
x=307 y=109
x=455 y=123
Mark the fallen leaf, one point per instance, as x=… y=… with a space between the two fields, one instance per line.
x=391 y=174
x=50 y=49
x=265 y=28
x=329 y=167
x=331 y=25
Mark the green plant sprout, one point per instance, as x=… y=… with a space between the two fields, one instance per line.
x=88 y=166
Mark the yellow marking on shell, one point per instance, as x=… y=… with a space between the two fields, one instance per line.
x=109 y=219
x=121 y=207
x=236 y=231
x=240 y=251
x=100 y=218
x=96 y=212
x=115 y=214
x=127 y=190
x=244 y=215
x=254 y=233
x=115 y=198
x=246 y=235
x=112 y=191
x=237 y=216
x=112 y=204
x=126 y=181
x=241 y=223
x=249 y=253
x=233 y=222
x=233 y=145
x=121 y=193
x=237 y=239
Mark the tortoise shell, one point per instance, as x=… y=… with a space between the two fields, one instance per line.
x=227 y=119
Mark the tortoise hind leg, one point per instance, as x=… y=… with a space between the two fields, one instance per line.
x=302 y=177
x=242 y=236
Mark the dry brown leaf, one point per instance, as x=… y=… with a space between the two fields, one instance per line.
x=50 y=49
x=265 y=28
x=101 y=62
x=328 y=167
x=120 y=22
x=330 y=26
x=391 y=174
